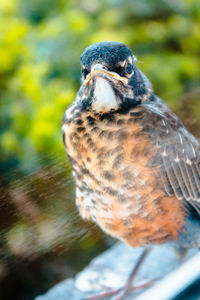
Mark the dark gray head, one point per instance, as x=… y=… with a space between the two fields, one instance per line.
x=109 y=53
x=110 y=78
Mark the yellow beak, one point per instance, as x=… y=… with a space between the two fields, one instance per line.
x=94 y=72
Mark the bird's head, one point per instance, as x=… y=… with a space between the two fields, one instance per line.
x=110 y=78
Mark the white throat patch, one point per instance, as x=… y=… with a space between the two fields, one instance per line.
x=104 y=96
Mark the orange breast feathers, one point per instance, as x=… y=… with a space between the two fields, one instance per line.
x=115 y=185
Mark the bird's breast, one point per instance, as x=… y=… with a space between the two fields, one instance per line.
x=110 y=156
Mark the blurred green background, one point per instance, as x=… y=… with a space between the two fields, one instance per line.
x=42 y=238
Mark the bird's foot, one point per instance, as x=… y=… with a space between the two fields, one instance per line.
x=120 y=293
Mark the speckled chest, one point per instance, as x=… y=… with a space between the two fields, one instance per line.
x=110 y=156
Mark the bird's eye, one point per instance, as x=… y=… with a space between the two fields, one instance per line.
x=85 y=72
x=129 y=68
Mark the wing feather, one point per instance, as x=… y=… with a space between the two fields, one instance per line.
x=177 y=156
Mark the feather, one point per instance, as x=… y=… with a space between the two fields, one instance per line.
x=177 y=156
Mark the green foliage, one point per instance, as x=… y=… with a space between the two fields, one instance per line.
x=39 y=61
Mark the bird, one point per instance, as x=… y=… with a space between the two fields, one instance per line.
x=136 y=167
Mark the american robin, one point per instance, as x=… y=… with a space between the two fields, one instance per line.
x=136 y=167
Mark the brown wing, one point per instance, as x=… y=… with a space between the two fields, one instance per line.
x=177 y=156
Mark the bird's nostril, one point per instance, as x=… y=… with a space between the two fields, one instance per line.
x=98 y=67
